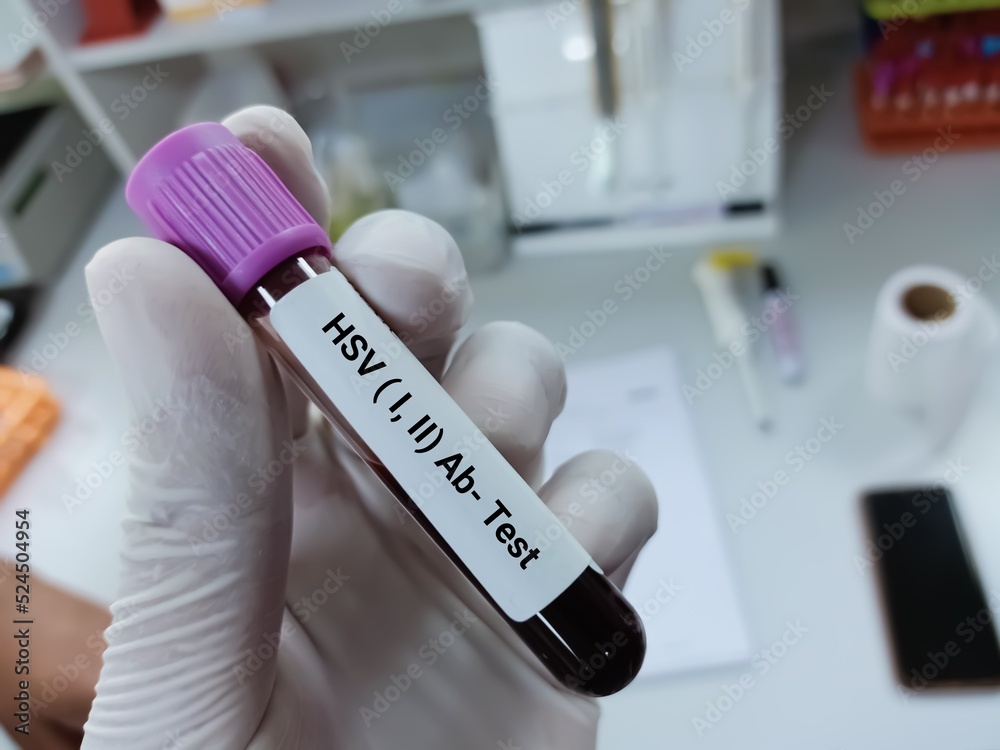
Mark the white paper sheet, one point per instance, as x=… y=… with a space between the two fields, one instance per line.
x=681 y=584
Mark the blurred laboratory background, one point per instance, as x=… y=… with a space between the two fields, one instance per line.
x=761 y=234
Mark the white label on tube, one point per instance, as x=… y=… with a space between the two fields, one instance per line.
x=513 y=544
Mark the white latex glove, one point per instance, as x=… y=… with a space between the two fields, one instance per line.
x=244 y=625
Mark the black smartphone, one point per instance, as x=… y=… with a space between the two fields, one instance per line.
x=940 y=620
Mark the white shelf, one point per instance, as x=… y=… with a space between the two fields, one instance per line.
x=273 y=21
x=625 y=237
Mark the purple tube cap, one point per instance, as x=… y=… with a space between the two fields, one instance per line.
x=202 y=190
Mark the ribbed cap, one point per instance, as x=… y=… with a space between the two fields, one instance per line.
x=202 y=190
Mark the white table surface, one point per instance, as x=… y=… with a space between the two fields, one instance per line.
x=793 y=561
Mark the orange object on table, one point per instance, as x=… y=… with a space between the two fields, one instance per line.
x=112 y=19
x=28 y=414
x=890 y=131
x=931 y=83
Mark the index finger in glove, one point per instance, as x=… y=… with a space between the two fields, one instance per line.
x=205 y=548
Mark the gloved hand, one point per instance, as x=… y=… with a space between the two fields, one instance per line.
x=243 y=624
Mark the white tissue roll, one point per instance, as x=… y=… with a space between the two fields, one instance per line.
x=929 y=341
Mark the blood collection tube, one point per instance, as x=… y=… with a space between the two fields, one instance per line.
x=202 y=190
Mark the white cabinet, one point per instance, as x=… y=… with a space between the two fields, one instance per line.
x=694 y=135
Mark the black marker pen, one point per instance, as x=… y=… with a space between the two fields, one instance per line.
x=777 y=315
